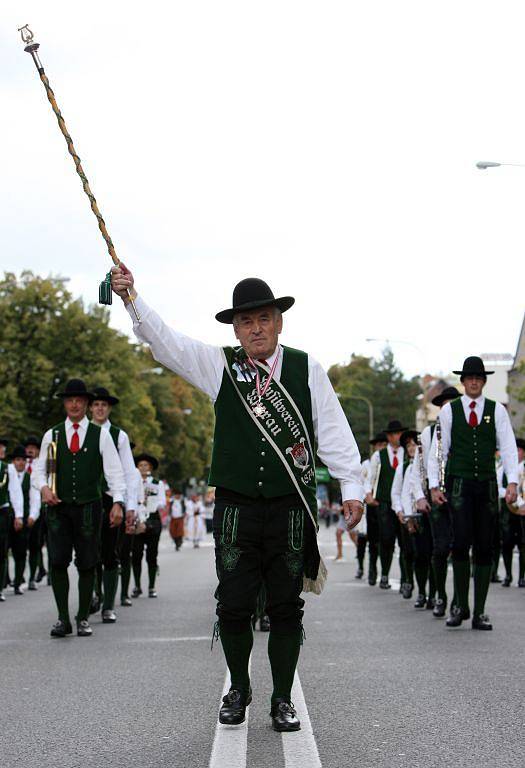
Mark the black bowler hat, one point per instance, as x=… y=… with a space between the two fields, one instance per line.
x=4 y=441
x=520 y=443
x=379 y=438
x=253 y=293
x=473 y=366
x=76 y=388
x=32 y=440
x=101 y=393
x=409 y=434
x=449 y=393
x=146 y=457
x=19 y=452
x=395 y=426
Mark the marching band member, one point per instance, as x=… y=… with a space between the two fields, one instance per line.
x=19 y=539
x=11 y=497
x=512 y=515
x=154 y=502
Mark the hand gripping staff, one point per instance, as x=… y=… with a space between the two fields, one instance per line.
x=105 y=296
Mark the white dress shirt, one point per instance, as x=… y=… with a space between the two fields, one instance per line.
x=14 y=490
x=375 y=465
x=505 y=439
x=128 y=465
x=502 y=490
x=34 y=496
x=202 y=365
x=176 y=509
x=110 y=459
x=154 y=495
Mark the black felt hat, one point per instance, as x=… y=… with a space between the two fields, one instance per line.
x=395 y=426
x=76 y=388
x=409 y=434
x=4 y=441
x=253 y=293
x=101 y=393
x=473 y=366
x=32 y=440
x=19 y=452
x=146 y=457
x=379 y=438
x=449 y=393
x=520 y=443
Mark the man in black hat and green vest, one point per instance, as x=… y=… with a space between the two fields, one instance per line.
x=19 y=539
x=106 y=580
x=472 y=429
x=439 y=515
x=511 y=518
x=11 y=498
x=148 y=536
x=80 y=455
x=378 y=487
x=271 y=404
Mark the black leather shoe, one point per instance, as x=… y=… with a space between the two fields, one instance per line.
x=83 y=628
x=109 y=616
x=359 y=574
x=521 y=583
x=284 y=717
x=439 y=609
x=136 y=592
x=40 y=575
x=457 y=617
x=383 y=584
x=2 y=597
x=372 y=580
x=152 y=593
x=95 y=604
x=407 y=590
x=233 y=709
x=32 y=587
x=264 y=623
x=61 y=629
x=126 y=602
x=18 y=591
x=506 y=581
x=481 y=622
x=495 y=579
x=430 y=604
x=421 y=601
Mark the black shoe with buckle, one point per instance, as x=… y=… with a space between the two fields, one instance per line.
x=83 y=628
x=430 y=604
x=407 y=590
x=506 y=581
x=439 y=608
x=32 y=586
x=421 y=601
x=481 y=622
x=18 y=590
x=136 y=592
x=61 y=629
x=152 y=593
x=109 y=616
x=284 y=717
x=521 y=583
x=125 y=601
x=233 y=708
x=359 y=574
x=95 y=604
x=457 y=616
x=495 y=579
x=383 y=584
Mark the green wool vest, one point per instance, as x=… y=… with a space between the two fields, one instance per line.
x=472 y=449
x=79 y=476
x=114 y=432
x=4 y=484
x=242 y=459
x=386 y=478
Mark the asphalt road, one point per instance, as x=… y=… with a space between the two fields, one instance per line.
x=384 y=685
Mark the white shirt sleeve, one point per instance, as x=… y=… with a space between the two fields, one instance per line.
x=200 y=364
x=128 y=465
x=14 y=487
x=336 y=445
x=38 y=474
x=397 y=489
x=112 y=467
x=372 y=473
x=35 y=502
x=499 y=477
x=506 y=443
x=445 y=418
x=407 y=493
x=161 y=501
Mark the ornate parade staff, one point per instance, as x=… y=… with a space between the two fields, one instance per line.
x=105 y=296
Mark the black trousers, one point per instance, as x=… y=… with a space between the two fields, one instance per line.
x=260 y=542
x=110 y=538
x=422 y=542
x=74 y=527
x=389 y=530
x=5 y=523
x=372 y=532
x=441 y=526
x=149 y=540
x=474 y=507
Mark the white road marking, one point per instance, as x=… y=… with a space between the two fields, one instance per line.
x=300 y=748
x=165 y=639
x=230 y=744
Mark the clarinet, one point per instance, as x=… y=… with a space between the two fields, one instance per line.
x=439 y=454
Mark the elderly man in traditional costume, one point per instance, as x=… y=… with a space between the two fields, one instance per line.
x=272 y=405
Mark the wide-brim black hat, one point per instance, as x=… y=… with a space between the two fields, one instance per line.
x=253 y=293
x=147 y=457
x=520 y=443
x=32 y=440
x=76 y=388
x=19 y=452
x=409 y=434
x=449 y=393
x=395 y=426
x=379 y=438
x=101 y=393
x=473 y=366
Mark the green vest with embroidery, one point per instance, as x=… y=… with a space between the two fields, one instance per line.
x=242 y=459
x=386 y=478
x=114 y=432
x=79 y=475
x=4 y=484
x=472 y=449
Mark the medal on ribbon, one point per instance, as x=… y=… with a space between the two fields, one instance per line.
x=259 y=409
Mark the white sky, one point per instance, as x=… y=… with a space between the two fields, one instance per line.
x=327 y=147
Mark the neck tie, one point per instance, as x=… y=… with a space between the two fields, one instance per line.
x=29 y=468
x=261 y=360
x=75 y=440
x=395 y=462
x=473 y=419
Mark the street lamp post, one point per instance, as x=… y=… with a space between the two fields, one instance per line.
x=370 y=411
x=482 y=165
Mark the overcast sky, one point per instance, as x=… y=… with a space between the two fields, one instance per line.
x=327 y=147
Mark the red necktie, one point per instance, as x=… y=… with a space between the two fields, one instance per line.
x=473 y=419
x=395 y=462
x=75 y=440
x=262 y=361
x=29 y=468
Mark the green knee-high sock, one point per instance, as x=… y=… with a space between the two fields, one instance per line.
x=431 y=582
x=33 y=565
x=60 y=584
x=283 y=651
x=403 y=569
x=110 y=579
x=482 y=574
x=385 y=556
x=421 y=578
x=237 y=649
x=98 y=581
x=152 y=575
x=461 y=582
x=125 y=575
x=86 y=582
x=20 y=566
x=137 y=571
x=507 y=562
x=408 y=569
